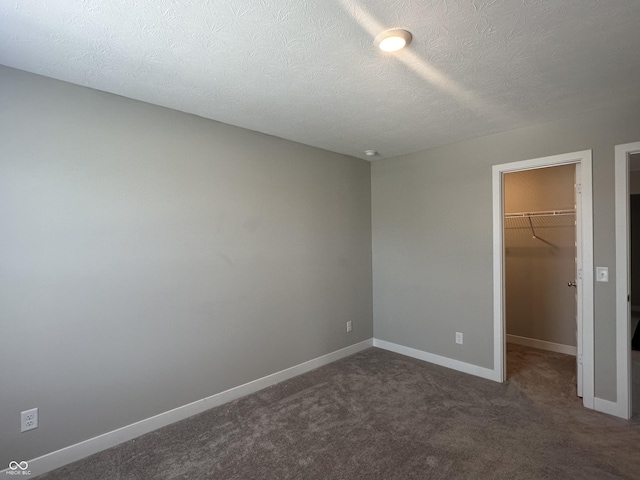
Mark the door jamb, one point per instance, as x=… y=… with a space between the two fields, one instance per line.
x=623 y=403
x=584 y=158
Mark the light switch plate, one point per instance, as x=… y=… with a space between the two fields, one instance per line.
x=602 y=274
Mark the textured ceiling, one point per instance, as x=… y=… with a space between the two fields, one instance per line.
x=308 y=70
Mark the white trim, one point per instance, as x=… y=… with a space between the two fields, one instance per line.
x=588 y=320
x=75 y=452
x=584 y=158
x=541 y=344
x=498 y=275
x=623 y=335
x=609 y=407
x=437 y=359
x=579 y=291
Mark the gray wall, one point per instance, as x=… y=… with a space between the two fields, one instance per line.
x=150 y=258
x=538 y=302
x=432 y=236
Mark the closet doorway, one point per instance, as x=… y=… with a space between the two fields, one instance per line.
x=540 y=255
x=543 y=261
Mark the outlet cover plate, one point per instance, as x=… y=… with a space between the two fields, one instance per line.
x=28 y=420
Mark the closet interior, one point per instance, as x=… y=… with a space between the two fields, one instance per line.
x=540 y=258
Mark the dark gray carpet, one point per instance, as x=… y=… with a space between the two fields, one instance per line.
x=379 y=415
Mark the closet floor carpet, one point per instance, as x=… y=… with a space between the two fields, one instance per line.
x=379 y=415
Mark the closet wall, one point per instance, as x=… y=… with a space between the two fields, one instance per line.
x=539 y=304
x=634 y=204
x=634 y=174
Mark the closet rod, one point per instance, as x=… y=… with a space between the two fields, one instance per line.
x=542 y=213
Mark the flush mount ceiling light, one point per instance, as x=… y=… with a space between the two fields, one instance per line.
x=370 y=153
x=393 y=40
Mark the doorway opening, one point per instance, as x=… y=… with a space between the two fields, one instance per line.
x=627 y=184
x=540 y=258
x=557 y=226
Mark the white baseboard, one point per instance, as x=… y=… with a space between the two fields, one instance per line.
x=438 y=360
x=542 y=345
x=72 y=453
x=609 y=407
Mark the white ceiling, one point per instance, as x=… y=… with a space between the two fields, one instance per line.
x=308 y=70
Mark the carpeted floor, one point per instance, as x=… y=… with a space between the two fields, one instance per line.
x=379 y=415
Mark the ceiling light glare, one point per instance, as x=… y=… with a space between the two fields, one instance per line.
x=370 y=153
x=393 y=40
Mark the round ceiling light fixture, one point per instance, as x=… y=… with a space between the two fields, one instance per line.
x=393 y=40
x=370 y=153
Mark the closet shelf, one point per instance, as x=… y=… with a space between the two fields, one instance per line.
x=540 y=219
x=541 y=213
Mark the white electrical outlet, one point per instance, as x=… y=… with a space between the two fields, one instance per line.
x=349 y=326
x=28 y=419
x=459 y=338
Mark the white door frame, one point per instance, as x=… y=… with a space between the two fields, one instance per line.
x=585 y=283
x=623 y=280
